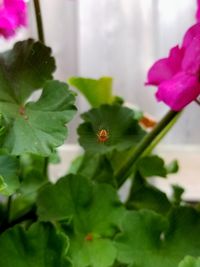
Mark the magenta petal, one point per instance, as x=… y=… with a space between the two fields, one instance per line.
x=12 y=16
x=191 y=60
x=165 y=68
x=179 y=91
x=191 y=33
x=198 y=11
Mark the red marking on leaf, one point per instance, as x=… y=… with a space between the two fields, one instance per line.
x=21 y=110
x=89 y=237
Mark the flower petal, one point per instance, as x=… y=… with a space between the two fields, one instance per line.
x=165 y=68
x=191 y=33
x=179 y=91
x=12 y=16
x=191 y=60
x=198 y=11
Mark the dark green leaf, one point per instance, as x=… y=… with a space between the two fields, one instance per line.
x=39 y=246
x=177 y=194
x=122 y=129
x=146 y=196
x=24 y=69
x=149 y=240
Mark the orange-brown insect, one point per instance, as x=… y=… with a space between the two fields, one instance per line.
x=103 y=135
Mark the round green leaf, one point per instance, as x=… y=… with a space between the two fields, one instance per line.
x=39 y=127
x=122 y=129
x=95 y=212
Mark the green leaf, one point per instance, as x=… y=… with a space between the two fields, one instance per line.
x=122 y=129
x=149 y=240
x=152 y=166
x=97 y=92
x=25 y=198
x=39 y=127
x=31 y=162
x=172 y=167
x=24 y=69
x=95 y=167
x=39 y=246
x=146 y=196
x=98 y=252
x=95 y=211
x=190 y=262
x=9 y=172
x=3 y=185
x=177 y=194
x=2 y=129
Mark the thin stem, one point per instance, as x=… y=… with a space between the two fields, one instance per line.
x=127 y=166
x=30 y=215
x=41 y=38
x=38 y=16
x=197 y=101
x=8 y=209
x=46 y=163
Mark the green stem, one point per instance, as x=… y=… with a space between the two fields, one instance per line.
x=41 y=38
x=8 y=209
x=38 y=16
x=127 y=166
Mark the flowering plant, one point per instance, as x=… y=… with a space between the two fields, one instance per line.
x=80 y=221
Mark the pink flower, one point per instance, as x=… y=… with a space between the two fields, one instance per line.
x=12 y=16
x=178 y=75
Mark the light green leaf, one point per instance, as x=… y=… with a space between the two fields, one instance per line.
x=190 y=262
x=39 y=246
x=3 y=185
x=97 y=92
x=39 y=127
x=9 y=172
x=122 y=129
x=149 y=240
x=98 y=252
x=95 y=211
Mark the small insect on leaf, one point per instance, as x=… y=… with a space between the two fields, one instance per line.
x=103 y=135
